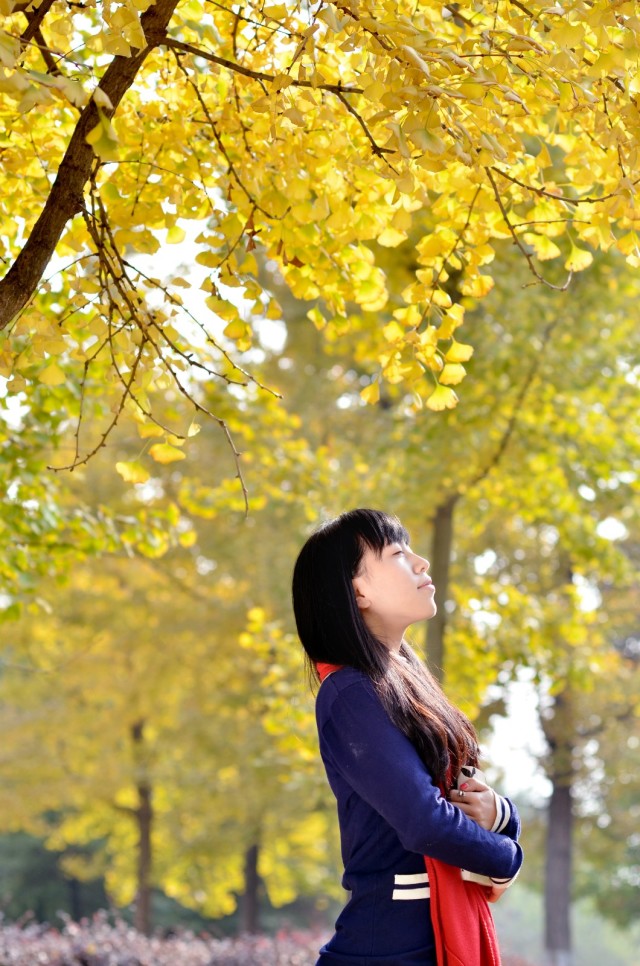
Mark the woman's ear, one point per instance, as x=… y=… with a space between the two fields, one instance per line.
x=361 y=598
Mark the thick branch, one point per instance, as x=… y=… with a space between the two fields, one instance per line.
x=66 y=196
x=47 y=56
x=35 y=18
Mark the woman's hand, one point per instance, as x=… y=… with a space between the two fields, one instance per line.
x=477 y=800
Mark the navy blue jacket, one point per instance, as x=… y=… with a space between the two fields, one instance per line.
x=391 y=814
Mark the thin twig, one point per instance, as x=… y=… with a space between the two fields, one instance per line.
x=174 y=301
x=207 y=412
x=556 y=197
x=375 y=147
x=527 y=255
x=231 y=167
x=259 y=75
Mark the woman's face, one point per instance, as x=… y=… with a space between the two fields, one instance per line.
x=393 y=591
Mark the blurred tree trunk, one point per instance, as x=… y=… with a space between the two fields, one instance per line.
x=250 y=900
x=144 y=818
x=440 y=561
x=75 y=899
x=558 y=865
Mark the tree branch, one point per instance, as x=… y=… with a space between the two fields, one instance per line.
x=375 y=147
x=518 y=243
x=34 y=19
x=47 y=56
x=556 y=197
x=174 y=44
x=65 y=199
x=517 y=408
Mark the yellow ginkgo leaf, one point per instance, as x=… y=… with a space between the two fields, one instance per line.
x=391 y=237
x=544 y=247
x=145 y=430
x=166 y=453
x=132 y=472
x=442 y=398
x=371 y=393
x=459 y=352
x=578 y=260
x=275 y=11
x=52 y=375
x=103 y=139
x=236 y=329
x=452 y=374
x=175 y=235
x=478 y=286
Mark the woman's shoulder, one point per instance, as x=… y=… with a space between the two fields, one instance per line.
x=344 y=677
x=344 y=684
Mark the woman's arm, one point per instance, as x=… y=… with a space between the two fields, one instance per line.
x=378 y=761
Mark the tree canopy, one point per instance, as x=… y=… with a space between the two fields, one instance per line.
x=307 y=131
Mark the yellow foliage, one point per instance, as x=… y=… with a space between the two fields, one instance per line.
x=305 y=136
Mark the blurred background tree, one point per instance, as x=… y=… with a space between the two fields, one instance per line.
x=159 y=730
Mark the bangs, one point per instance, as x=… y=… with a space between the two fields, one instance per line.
x=377 y=530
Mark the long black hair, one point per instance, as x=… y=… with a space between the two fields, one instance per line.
x=333 y=631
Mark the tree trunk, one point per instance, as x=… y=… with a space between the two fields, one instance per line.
x=144 y=818
x=557 y=893
x=558 y=859
x=250 y=900
x=440 y=565
x=75 y=900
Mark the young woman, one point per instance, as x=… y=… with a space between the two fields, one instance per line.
x=393 y=748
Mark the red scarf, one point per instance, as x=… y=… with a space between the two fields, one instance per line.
x=463 y=926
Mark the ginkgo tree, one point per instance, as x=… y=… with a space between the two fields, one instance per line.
x=307 y=130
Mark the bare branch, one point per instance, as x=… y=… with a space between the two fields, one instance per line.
x=186 y=356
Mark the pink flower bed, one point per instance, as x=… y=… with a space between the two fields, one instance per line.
x=96 y=942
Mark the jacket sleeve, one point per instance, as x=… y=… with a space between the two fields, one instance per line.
x=380 y=764
x=507 y=818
